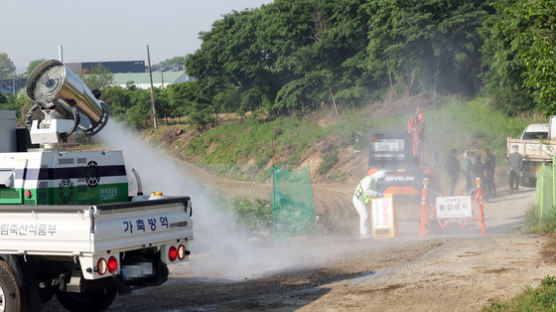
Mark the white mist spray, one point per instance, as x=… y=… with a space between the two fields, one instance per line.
x=221 y=248
x=214 y=229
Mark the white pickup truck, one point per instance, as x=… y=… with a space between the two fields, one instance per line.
x=86 y=254
x=537 y=145
x=68 y=224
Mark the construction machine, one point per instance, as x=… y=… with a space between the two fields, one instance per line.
x=401 y=155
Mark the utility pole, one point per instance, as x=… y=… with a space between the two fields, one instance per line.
x=152 y=90
x=162 y=76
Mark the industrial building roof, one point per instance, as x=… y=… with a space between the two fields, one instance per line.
x=143 y=78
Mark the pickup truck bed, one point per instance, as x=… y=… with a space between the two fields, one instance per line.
x=532 y=150
x=95 y=229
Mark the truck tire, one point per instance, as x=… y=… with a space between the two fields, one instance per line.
x=11 y=297
x=90 y=301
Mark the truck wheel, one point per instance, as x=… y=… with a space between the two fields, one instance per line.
x=11 y=299
x=89 y=301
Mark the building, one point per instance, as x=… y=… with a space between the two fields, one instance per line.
x=7 y=85
x=142 y=80
x=113 y=67
x=123 y=72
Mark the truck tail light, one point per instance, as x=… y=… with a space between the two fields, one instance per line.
x=181 y=252
x=172 y=253
x=101 y=266
x=112 y=265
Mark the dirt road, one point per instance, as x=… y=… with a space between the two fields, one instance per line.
x=451 y=270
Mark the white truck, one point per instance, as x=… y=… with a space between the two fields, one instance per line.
x=68 y=226
x=537 y=145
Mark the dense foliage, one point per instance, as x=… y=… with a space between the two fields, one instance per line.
x=519 y=54
x=297 y=55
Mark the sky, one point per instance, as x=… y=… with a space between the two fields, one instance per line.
x=108 y=30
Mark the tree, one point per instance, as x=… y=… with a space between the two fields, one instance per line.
x=162 y=103
x=7 y=67
x=32 y=65
x=176 y=60
x=296 y=55
x=99 y=78
x=325 y=69
x=418 y=45
x=232 y=61
x=139 y=114
x=520 y=55
x=19 y=102
x=181 y=97
x=118 y=100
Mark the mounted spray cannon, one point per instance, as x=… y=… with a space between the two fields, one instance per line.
x=69 y=224
x=68 y=105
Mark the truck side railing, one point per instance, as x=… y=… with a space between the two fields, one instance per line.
x=534 y=150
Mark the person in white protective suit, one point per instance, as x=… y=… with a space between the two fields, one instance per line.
x=363 y=193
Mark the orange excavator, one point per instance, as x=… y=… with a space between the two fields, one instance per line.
x=401 y=155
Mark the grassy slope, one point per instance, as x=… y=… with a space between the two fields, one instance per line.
x=242 y=149
x=543 y=298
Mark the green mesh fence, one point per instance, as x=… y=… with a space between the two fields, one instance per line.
x=292 y=202
x=545 y=193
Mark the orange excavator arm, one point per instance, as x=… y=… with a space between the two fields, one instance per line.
x=416 y=127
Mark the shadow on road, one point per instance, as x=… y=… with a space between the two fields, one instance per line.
x=284 y=292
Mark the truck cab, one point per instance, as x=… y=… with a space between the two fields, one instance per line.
x=535 y=132
x=537 y=145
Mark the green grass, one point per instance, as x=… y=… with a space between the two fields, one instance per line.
x=461 y=124
x=234 y=144
x=547 y=224
x=329 y=160
x=542 y=298
x=472 y=125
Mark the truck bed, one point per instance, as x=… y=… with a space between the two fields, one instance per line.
x=533 y=150
x=87 y=230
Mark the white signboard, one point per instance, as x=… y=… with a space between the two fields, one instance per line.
x=453 y=207
x=383 y=213
x=389 y=145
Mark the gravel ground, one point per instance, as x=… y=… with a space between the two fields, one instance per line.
x=451 y=270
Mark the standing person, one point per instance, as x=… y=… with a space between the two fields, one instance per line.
x=515 y=162
x=452 y=168
x=467 y=162
x=366 y=189
x=490 y=166
x=478 y=169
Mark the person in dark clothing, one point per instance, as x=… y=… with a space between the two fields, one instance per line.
x=467 y=162
x=477 y=169
x=515 y=162
x=452 y=168
x=490 y=166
